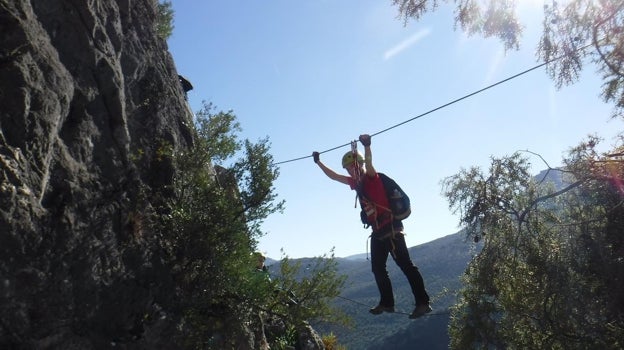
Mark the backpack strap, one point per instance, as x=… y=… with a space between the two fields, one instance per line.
x=359 y=189
x=359 y=197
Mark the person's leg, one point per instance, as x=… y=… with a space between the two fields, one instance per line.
x=402 y=259
x=379 y=257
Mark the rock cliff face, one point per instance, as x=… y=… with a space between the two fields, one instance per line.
x=91 y=110
x=89 y=103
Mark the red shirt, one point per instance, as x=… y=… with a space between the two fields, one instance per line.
x=376 y=203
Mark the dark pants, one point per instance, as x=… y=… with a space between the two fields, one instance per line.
x=380 y=248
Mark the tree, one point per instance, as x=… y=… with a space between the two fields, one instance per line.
x=312 y=285
x=207 y=233
x=223 y=191
x=164 y=20
x=550 y=272
x=573 y=31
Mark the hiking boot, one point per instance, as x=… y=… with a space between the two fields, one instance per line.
x=380 y=308
x=420 y=310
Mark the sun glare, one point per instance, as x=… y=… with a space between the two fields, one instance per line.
x=532 y=5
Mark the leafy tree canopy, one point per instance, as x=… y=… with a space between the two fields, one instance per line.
x=573 y=31
x=223 y=191
x=550 y=273
x=164 y=20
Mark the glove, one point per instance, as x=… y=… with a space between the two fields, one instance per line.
x=365 y=140
x=316 y=156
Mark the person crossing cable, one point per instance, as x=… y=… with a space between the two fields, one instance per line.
x=387 y=233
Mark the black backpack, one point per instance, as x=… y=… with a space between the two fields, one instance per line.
x=397 y=199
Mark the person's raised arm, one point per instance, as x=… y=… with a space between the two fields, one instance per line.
x=329 y=172
x=365 y=139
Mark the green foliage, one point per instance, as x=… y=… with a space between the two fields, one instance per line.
x=330 y=341
x=550 y=273
x=210 y=233
x=490 y=18
x=297 y=295
x=209 y=238
x=217 y=134
x=572 y=31
x=255 y=174
x=164 y=20
x=311 y=286
x=286 y=340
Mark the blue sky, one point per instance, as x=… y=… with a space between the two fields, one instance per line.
x=312 y=75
